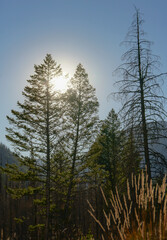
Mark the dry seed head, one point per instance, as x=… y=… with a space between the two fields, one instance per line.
x=130 y=207
x=112 y=203
x=128 y=190
x=146 y=177
x=125 y=219
x=164 y=186
x=136 y=193
x=135 y=182
x=145 y=201
x=116 y=213
x=127 y=212
x=138 y=187
x=124 y=224
x=160 y=223
x=113 y=198
x=159 y=195
x=165 y=201
x=153 y=197
x=111 y=236
x=142 y=227
x=151 y=186
x=145 y=193
x=107 y=219
x=139 y=202
x=154 y=215
x=102 y=237
x=97 y=220
x=119 y=198
x=122 y=238
x=142 y=197
x=123 y=233
x=132 y=180
x=90 y=206
x=113 y=216
x=142 y=180
x=156 y=190
x=137 y=219
x=125 y=203
x=104 y=197
x=119 y=210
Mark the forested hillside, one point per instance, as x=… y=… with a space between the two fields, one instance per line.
x=6 y=155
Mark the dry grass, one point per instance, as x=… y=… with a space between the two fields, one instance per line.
x=140 y=215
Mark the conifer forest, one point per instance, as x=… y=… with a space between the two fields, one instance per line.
x=73 y=176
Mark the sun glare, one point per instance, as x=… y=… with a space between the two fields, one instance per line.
x=60 y=83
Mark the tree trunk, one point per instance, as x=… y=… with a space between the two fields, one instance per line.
x=73 y=165
x=144 y=124
x=47 y=227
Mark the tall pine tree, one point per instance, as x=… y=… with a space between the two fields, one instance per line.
x=81 y=116
x=34 y=134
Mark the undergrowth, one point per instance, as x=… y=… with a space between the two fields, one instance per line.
x=140 y=214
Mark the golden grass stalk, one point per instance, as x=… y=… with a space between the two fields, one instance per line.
x=141 y=214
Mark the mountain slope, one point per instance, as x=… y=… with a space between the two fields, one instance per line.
x=6 y=155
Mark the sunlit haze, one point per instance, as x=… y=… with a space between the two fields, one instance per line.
x=60 y=83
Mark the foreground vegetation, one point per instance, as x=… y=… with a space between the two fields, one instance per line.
x=140 y=214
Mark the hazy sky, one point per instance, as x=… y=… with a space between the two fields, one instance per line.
x=73 y=31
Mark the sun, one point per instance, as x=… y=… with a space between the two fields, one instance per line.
x=60 y=83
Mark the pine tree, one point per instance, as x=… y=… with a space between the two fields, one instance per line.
x=110 y=140
x=34 y=133
x=114 y=151
x=130 y=157
x=107 y=147
x=81 y=123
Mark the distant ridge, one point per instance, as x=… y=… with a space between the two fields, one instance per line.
x=6 y=155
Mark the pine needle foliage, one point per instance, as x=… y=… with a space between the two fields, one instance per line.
x=34 y=134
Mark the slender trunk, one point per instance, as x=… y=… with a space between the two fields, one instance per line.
x=11 y=215
x=144 y=124
x=73 y=165
x=112 y=163
x=34 y=206
x=47 y=227
x=72 y=172
x=97 y=209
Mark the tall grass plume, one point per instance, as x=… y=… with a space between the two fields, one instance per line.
x=140 y=214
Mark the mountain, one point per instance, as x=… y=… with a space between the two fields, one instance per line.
x=6 y=156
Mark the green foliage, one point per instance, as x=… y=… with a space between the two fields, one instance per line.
x=32 y=134
x=6 y=156
x=19 y=220
x=105 y=151
x=81 y=113
x=81 y=119
x=32 y=228
x=89 y=236
x=130 y=157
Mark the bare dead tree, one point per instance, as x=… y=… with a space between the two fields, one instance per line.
x=141 y=93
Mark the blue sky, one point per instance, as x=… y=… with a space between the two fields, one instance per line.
x=73 y=31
